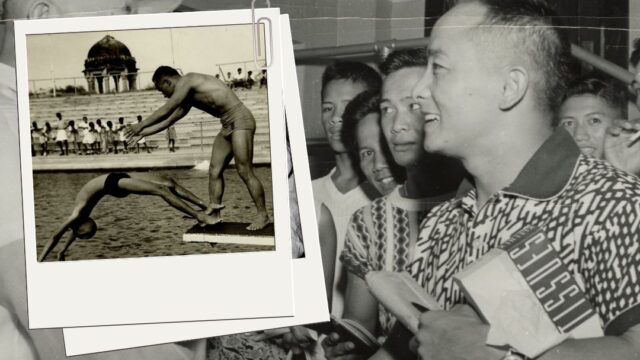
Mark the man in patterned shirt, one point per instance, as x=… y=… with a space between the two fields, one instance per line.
x=496 y=70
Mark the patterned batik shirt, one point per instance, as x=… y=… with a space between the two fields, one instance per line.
x=589 y=211
x=380 y=235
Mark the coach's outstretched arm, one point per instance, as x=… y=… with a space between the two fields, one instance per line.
x=179 y=97
x=178 y=114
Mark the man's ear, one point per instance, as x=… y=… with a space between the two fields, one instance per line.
x=40 y=9
x=516 y=84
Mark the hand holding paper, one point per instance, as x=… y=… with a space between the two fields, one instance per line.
x=400 y=294
x=454 y=334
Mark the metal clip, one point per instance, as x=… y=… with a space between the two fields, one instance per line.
x=254 y=32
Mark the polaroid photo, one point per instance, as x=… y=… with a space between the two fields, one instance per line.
x=151 y=172
x=309 y=289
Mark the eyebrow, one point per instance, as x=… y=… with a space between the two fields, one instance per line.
x=409 y=97
x=433 y=53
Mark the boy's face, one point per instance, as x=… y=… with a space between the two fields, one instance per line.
x=401 y=120
x=336 y=96
x=587 y=118
x=373 y=157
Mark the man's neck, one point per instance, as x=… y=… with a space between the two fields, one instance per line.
x=499 y=163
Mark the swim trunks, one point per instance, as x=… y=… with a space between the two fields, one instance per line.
x=111 y=185
x=237 y=118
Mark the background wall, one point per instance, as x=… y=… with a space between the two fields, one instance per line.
x=321 y=23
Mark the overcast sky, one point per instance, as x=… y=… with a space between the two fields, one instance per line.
x=192 y=49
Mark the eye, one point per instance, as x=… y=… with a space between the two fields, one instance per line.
x=567 y=123
x=436 y=68
x=366 y=153
x=414 y=107
x=595 y=121
x=327 y=108
x=386 y=109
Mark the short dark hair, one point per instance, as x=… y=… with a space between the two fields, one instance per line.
x=121 y=119
x=635 y=54
x=354 y=71
x=164 y=71
x=531 y=29
x=610 y=92
x=139 y=117
x=59 y=115
x=404 y=58
x=365 y=103
x=84 y=228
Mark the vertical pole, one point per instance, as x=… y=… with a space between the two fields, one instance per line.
x=75 y=88
x=602 y=42
x=201 y=138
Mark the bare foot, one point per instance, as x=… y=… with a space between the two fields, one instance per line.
x=260 y=222
x=205 y=219
x=214 y=207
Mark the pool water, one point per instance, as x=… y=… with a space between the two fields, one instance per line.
x=140 y=226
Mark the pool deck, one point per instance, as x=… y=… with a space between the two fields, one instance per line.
x=130 y=161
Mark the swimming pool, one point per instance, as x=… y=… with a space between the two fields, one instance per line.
x=140 y=226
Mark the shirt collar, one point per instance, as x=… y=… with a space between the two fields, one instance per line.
x=543 y=176
x=550 y=168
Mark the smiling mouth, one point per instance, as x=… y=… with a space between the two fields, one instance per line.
x=588 y=150
x=386 y=181
x=431 y=118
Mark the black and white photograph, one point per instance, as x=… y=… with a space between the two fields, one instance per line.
x=474 y=169
x=144 y=148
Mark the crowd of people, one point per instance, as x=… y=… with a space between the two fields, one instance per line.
x=441 y=159
x=65 y=137
x=241 y=81
x=93 y=138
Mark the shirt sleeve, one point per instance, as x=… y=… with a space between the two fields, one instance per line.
x=611 y=267
x=356 y=247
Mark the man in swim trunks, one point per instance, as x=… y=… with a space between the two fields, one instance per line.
x=120 y=185
x=210 y=95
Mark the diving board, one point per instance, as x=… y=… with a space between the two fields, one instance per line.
x=230 y=233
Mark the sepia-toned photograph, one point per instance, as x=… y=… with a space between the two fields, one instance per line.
x=147 y=143
x=114 y=185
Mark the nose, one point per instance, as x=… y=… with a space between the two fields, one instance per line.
x=336 y=117
x=400 y=124
x=580 y=133
x=421 y=90
x=379 y=163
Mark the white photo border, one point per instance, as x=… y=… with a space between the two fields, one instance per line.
x=159 y=289
x=310 y=294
